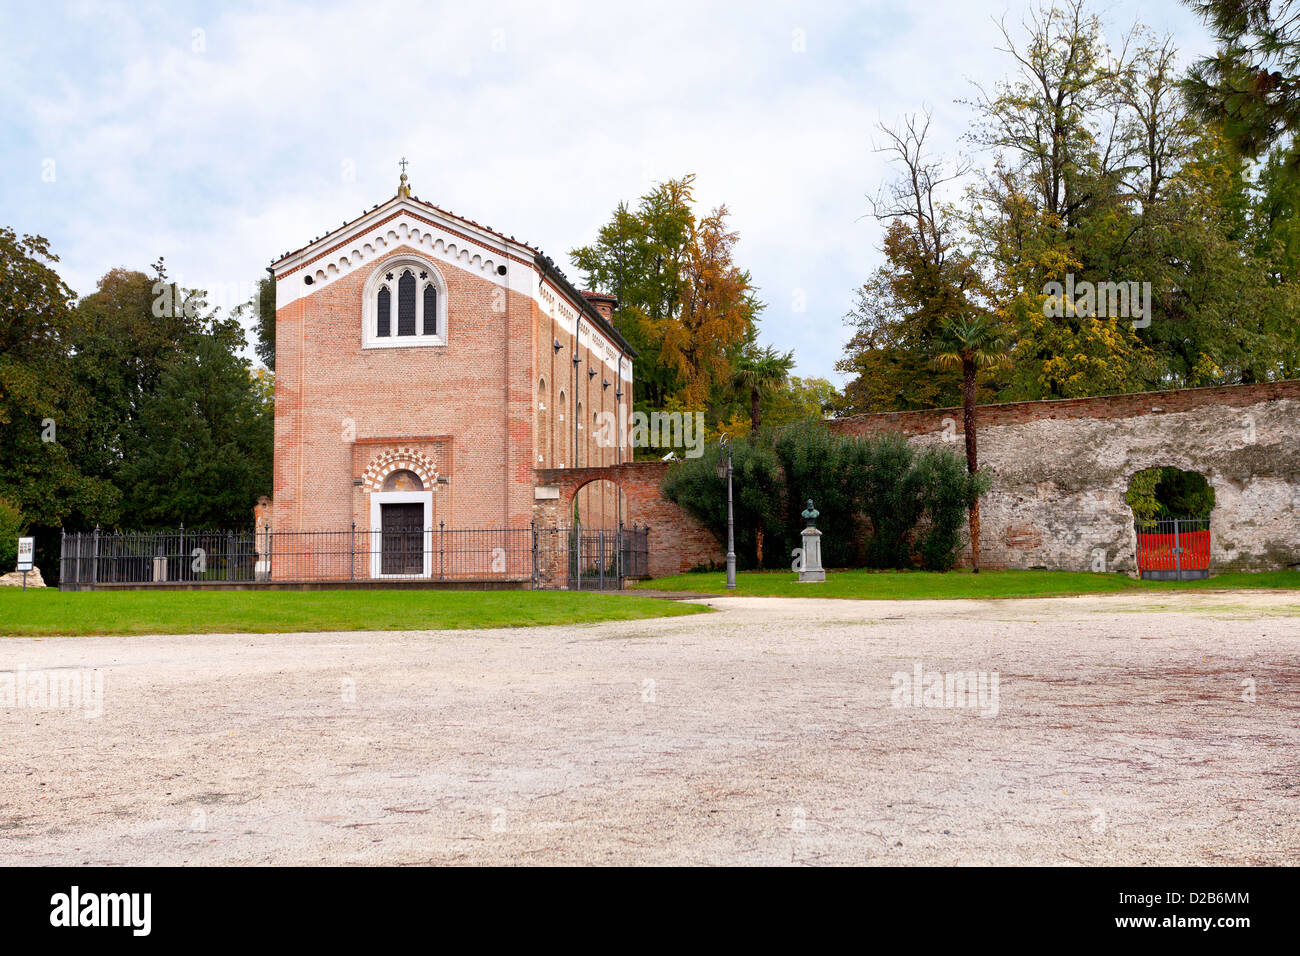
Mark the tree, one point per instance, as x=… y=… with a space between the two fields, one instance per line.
x=11 y=528
x=44 y=410
x=972 y=344
x=809 y=399
x=201 y=454
x=927 y=279
x=757 y=374
x=1251 y=85
x=123 y=337
x=684 y=304
x=262 y=308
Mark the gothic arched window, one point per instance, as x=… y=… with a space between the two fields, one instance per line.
x=405 y=304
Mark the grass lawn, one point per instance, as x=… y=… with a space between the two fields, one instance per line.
x=49 y=612
x=903 y=585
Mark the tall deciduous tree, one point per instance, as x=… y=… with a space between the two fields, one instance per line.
x=684 y=304
x=43 y=408
x=201 y=453
x=927 y=280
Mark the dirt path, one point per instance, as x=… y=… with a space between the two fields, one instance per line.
x=764 y=733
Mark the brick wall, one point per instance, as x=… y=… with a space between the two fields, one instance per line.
x=1100 y=408
x=678 y=542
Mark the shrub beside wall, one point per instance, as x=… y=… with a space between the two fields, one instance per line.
x=883 y=503
x=11 y=528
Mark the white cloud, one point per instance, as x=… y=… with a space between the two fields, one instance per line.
x=533 y=118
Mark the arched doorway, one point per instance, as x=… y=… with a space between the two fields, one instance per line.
x=1171 y=520
x=601 y=551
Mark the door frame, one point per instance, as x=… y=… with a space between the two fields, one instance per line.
x=379 y=498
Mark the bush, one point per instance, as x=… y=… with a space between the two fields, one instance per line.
x=947 y=491
x=758 y=490
x=11 y=528
x=813 y=463
x=881 y=502
x=1169 y=492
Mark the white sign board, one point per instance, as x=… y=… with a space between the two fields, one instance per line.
x=25 y=548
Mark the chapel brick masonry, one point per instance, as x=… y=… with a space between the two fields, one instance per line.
x=427 y=362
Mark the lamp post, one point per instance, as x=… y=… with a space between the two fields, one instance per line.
x=724 y=471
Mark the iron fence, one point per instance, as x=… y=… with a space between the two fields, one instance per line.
x=1173 y=549
x=577 y=558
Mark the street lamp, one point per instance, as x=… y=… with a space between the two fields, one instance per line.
x=724 y=471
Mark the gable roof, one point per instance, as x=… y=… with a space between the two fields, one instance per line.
x=497 y=243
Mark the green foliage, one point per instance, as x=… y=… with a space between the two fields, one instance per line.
x=201 y=452
x=882 y=503
x=814 y=464
x=1097 y=167
x=758 y=491
x=130 y=407
x=1169 y=492
x=947 y=490
x=46 y=413
x=11 y=528
x=262 y=309
x=757 y=374
x=683 y=303
x=1251 y=84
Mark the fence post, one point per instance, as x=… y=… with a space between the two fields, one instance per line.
x=352 y=553
x=601 y=559
x=532 y=527
x=1178 y=553
x=94 y=560
x=442 y=530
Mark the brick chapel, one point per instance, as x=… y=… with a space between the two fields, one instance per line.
x=427 y=367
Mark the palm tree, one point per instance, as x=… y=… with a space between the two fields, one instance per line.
x=971 y=344
x=760 y=373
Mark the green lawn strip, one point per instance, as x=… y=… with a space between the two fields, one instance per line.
x=49 y=612
x=921 y=585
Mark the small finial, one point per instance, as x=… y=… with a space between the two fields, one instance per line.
x=403 y=188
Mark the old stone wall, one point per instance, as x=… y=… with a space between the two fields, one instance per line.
x=1061 y=468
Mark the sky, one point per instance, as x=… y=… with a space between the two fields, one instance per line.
x=220 y=136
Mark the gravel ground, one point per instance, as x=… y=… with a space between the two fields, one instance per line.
x=762 y=734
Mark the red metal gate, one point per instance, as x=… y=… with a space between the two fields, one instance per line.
x=1173 y=549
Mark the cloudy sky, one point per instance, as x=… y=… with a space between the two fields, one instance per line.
x=220 y=135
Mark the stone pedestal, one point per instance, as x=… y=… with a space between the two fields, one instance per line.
x=812 y=556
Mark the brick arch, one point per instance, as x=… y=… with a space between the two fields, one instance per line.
x=386 y=462
x=678 y=542
x=613 y=511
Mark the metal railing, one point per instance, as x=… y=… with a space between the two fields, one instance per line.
x=1173 y=549
x=578 y=558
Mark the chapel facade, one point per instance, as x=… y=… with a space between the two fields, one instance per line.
x=427 y=367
